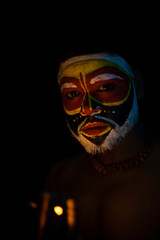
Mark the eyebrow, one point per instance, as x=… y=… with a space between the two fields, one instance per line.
x=104 y=76
x=68 y=85
x=108 y=69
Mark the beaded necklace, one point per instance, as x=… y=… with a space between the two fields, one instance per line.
x=118 y=166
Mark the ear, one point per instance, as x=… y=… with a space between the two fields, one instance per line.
x=139 y=83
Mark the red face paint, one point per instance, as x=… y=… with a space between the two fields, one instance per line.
x=110 y=92
x=98 y=96
x=72 y=97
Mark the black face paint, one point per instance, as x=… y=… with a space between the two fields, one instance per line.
x=99 y=99
x=114 y=114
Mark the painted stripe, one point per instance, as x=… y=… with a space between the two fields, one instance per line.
x=68 y=85
x=84 y=86
x=105 y=76
x=97 y=135
x=72 y=112
x=113 y=103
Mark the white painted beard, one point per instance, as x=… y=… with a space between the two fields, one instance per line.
x=114 y=137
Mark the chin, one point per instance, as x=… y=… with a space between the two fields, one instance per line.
x=110 y=142
x=112 y=139
x=115 y=136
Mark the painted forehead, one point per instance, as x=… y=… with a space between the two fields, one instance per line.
x=86 y=64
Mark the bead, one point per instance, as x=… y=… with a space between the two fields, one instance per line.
x=131 y=162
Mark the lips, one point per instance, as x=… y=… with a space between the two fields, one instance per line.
x=96 y=129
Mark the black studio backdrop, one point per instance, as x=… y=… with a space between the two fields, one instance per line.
x=42 y=136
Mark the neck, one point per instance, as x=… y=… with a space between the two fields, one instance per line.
x=128 y=147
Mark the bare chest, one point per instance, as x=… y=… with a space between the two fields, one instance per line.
x=127 y=209
x=119 y=207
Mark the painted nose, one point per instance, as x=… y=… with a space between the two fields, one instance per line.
x=87 y=109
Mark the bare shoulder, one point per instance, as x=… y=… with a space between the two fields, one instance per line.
x=155 y=151
x=152 y=169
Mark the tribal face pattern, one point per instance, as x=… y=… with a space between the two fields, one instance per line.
x=99 y=100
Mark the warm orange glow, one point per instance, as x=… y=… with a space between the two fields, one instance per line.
x=43 y=217
x=33 y=204
x=71 y=218
x=58 y=210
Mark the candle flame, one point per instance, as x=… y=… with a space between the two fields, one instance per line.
x=58 y=210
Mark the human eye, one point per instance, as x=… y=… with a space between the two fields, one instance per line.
x=105 y=87
x=72 y=94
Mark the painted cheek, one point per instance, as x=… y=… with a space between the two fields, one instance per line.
x=72 y=104
x=119 y=91
x=119 y=113
x=74 y=121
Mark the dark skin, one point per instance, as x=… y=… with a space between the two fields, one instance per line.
x=118 y=205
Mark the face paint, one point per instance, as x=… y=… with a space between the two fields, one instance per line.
x=99 y=100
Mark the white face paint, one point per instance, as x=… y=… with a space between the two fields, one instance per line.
x=119 y=110
x=105 y=76
x=116 y=135
x=68 y=85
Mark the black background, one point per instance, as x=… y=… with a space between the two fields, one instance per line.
x=36 y=38
x=42 y=133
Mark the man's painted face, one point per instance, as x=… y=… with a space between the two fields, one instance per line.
x=98 y=97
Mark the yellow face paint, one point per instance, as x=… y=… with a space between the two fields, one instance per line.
x=86 y=78
x=86 y=67
x=99 y=129
x=98 y=95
